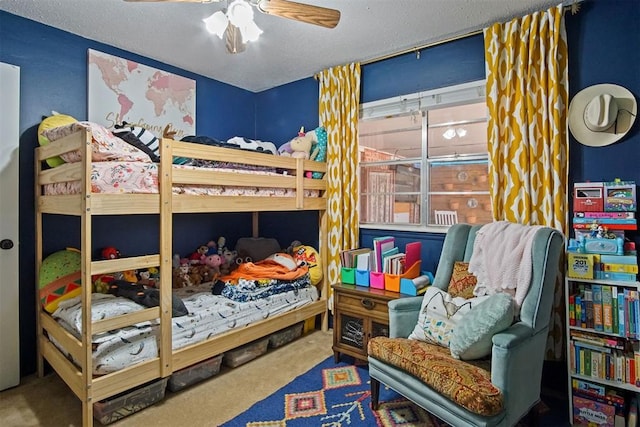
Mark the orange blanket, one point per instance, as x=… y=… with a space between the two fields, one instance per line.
x=265 y=269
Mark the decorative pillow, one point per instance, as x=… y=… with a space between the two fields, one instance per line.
x=439 y=315
x=471 y=339
x=53 y=121
x=60 y=278
x=462 y=282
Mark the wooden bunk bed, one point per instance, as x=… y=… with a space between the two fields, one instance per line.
x=165 y=203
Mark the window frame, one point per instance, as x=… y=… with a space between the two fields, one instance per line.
x=421 y=103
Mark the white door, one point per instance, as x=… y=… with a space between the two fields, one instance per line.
x=9 y=296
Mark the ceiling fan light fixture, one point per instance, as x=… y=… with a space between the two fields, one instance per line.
x=250 y=32
x=217 y=23
x=240 y=13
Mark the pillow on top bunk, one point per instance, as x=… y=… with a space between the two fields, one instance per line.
x=140 y=138
x=53 y=121
x=105 y=145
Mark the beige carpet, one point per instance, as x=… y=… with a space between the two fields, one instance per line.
x=48 y=401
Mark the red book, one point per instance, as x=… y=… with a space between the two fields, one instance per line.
x=412 y=253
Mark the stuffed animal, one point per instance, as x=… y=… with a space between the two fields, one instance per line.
x=213 y=262
x=145 y=279
x=301 y=144
x=110 y=253
x=319 y=151
x=212 y=248
x=181 y=276
x=228 y=261
x=199 y=255
x=222 y=241
x=311 y=257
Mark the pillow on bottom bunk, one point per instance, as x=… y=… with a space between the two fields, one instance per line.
x=148 y=297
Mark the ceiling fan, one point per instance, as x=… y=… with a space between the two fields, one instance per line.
x=236 y=26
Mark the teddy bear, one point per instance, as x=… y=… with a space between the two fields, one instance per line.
x=181 y=276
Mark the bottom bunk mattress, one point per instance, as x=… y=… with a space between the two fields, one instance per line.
x=209 y=315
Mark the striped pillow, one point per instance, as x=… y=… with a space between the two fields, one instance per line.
x=140 y=138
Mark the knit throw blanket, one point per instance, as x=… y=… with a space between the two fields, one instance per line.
x=501 y=259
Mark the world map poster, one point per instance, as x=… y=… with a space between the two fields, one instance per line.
x=122 y=90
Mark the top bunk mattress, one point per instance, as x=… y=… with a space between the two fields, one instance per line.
x=118 y=167
x=142 y=178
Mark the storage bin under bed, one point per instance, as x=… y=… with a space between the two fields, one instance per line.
x=195 y=373
x=121 y=405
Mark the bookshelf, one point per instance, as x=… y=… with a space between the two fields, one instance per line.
x=602 y=299
x=608 y=358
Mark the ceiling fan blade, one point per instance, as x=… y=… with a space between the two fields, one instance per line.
x=233 y=39
x=310 y=14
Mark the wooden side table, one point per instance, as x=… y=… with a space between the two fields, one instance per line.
x=359 y=314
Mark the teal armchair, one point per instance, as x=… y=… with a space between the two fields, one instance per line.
x=515 y=366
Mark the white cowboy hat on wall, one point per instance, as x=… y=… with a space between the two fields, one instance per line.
x=602 y=114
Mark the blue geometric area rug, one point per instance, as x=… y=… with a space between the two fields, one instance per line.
x=333 y=395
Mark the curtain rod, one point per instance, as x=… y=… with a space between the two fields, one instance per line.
x=573 y=6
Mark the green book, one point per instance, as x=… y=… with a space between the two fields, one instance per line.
x=614 y=308
x=607 y=309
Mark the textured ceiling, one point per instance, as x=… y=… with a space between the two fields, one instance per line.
x=174 y=33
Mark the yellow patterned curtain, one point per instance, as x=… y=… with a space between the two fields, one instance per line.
x=527 y=98
x=339 y=103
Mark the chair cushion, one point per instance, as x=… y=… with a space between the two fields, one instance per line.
x=471 y=339
x=468 y=384
x=462 y=282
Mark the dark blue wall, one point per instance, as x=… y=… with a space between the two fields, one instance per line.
x=603 y=47
x=280 y=112
x=53 y=74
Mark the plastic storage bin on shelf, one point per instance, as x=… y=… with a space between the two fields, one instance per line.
x=417 y=285
x=119 y=406
x=195 y=373
x=348 y=275
x=246 y=353
x=392 y=281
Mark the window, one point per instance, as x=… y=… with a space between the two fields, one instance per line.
x=423 y=159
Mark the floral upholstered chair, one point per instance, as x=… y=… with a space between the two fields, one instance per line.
x=477 y=361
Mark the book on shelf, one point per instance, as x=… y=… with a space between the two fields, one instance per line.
x=632 y=417
x=380 y=245
x=414 y=253
x=607 y=309
x=349 y=257
x=588 y=299
x=622 y=319
x=614 y=310
x=596 y=291
x=578 y=310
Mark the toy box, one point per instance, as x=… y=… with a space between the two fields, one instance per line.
x=286 y=335
x=121 y=405
x=581 y=266
x=620 y=196
x=589 y=412
x=588 y=197
x=246 y=353
x=195 y=373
